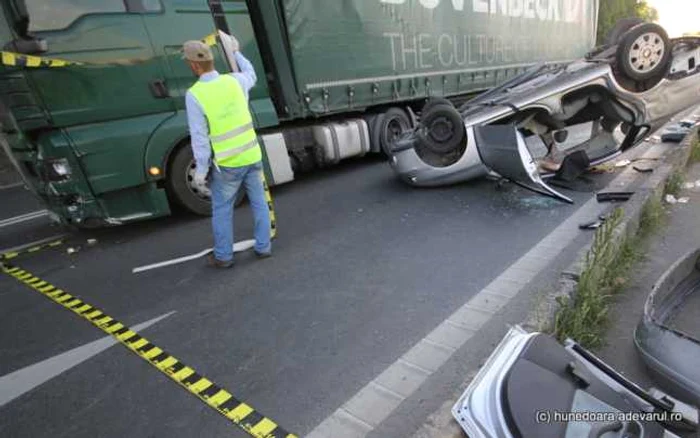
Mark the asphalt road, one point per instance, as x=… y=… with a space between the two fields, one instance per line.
x=363 y=268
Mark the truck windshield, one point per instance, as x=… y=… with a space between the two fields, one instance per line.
x=58 y=14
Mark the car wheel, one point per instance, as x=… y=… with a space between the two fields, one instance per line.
x=621 y=26
x=180 y=183
x=644 y=52
x=435 y=101
x=442 y=129
x=389 y=127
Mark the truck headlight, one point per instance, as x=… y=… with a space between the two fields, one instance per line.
x=59 y=170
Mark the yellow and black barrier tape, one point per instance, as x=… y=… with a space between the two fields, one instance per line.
x=32 y=249
x=270 y=206
x=236 y=411
x=19 y=60
x=12 y=59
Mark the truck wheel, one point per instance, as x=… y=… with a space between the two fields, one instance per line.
x=388 y=127
x=180 y=186
x=621 y=26
x=644 y=52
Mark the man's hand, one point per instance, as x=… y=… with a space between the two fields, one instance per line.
x=234 y=44
x=229 y=41
x=200 y=180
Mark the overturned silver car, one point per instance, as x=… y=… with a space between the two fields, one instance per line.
x=619 y=93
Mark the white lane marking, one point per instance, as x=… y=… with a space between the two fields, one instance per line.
x=11 y=186
x=24 y=380
x=237 y=247
x=23 y=218
x=428 y=355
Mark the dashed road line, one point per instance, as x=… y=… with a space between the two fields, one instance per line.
x=23 y=218
x=236 y=411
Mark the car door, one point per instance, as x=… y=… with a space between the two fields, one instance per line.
x=182 y=20
x=119 y=75
x=502 y=149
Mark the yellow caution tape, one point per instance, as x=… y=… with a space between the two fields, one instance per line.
x=270 y=206
x=18 y=60
x=33 y=249
x=12 y=59
x=238 y=412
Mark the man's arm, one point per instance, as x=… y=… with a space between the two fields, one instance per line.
x=246 y=77
x=199 y=134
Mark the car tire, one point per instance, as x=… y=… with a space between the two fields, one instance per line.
x=442 y=129
x=388 y=127
x=621 y=26
x=644 y=52
x=178 y=183
x=435 y=101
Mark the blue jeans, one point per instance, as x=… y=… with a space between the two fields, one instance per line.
x=224 y=187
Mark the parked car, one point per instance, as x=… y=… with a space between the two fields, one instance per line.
x=620 y=92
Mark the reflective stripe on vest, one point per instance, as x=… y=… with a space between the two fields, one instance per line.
x=231 y=131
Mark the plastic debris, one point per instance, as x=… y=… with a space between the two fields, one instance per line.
x=683 y=200
x=71 y=250
x=613 y=196
x=92 y=242
x=670 y=199
x=623 y=163
x=689 y=185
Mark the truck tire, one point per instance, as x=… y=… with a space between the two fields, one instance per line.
x=388 y=127
x=179 y=185
x=644 y=52
x=621 y=26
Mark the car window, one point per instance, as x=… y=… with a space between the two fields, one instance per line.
x=59 y=14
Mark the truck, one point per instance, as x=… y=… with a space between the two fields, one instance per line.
x=92 y=92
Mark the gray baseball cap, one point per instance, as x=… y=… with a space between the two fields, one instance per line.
x=197 y=51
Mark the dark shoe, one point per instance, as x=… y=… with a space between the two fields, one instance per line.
x=216 y=263
x=263 y=255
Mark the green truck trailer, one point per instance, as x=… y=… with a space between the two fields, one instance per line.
x=92 y=91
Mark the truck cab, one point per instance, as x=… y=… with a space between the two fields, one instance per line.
x=94 y=132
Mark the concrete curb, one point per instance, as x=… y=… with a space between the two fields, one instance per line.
x=652 y=189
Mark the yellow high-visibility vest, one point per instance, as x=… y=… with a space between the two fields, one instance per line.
x=231 y=131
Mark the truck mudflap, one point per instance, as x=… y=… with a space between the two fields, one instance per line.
x=502 y=148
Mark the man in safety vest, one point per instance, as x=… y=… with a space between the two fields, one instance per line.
x=222 y=133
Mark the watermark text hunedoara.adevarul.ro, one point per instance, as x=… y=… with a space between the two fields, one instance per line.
x=549 y=416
